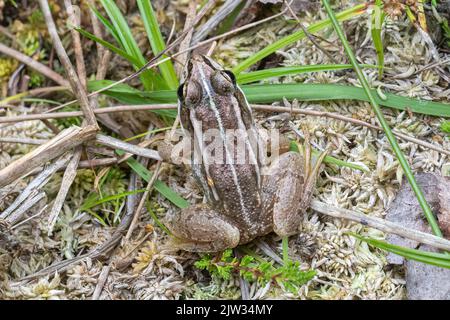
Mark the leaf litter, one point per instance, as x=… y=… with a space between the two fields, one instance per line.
x=346 y=268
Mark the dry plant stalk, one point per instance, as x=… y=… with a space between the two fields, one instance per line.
x=131 y=148
x=381 y=224
x=66 y=140
x=75 y=83
x=39 y=67
x=67 y=180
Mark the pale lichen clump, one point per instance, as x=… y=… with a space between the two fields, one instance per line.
x=29 y=129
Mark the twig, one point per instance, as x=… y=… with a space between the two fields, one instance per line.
x=67 y=180
x=39 y=67
x=23 y=208
x=308 y=34
x=34 y=186
x=30 y=218
x=134 y=149
x=268 y=108
x=103 y=65
x=78 y=49
x=262 y=108
x=22 y=140
x=381 y=224
x=221 y=14
x=75 y=82
x=85 y=164
x=97 y=31
x=101 y=281
x=142 y=201
x=187 y=40
x=59 y=115
x=33 y=92
x=66 y=140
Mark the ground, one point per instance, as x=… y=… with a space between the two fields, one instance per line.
x=346 y=268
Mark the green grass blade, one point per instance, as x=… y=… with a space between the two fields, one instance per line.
x=433 y=258
x=268 y=93
x=342 y=16
x=160 y=186
x=157 y=42
x=107 y=25
x=109 y=46
x=378 y=16
x=149 y=78
x=294 y=146
x=157 y=221
x=128 y=95
x=247 y=77
x=96 y=201
x=389 y=135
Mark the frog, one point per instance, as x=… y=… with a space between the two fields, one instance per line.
x=244 y=199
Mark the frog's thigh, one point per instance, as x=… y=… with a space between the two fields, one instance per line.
x=283 y=190
x=201 y=229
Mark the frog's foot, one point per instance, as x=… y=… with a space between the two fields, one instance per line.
x=201 y=229
x=292 y=182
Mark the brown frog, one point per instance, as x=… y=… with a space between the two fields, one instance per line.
x=242 y=204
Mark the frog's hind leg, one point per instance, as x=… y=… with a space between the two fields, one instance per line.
x=201 y=229
x=288 y=189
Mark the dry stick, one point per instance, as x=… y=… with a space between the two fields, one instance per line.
x=97 y=30
x=186 y=42
x=34 y=185
x=66 y=140
x=103 y=65
x=75 y=22
x=67 y=180
x=143 y=199
x=221 y=14
x=22 y=140
x=23 y=208
x=41 y=68
x=263 y=108
x=59 y=115
x=75 y=83
x=103 y=161
x=32 y=92
x=381 y=224
x=125 y=146
x=101 y=281
x=104 y=57
x=269 y=108
x=151 y=64
x=30 y=218
x=308 y=34
x=85 y=164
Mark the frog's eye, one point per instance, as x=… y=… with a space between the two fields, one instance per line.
x=231 y=76
x=222 y=83
x=180 y=92
x=192 y=93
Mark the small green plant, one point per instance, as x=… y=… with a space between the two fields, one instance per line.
x=446 y=29
x=288 y=276
x=445 y=126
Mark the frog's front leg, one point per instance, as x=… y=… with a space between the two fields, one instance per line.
x=288 y=188
x=201 y=229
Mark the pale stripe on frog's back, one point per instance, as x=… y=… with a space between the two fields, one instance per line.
x=206 y=85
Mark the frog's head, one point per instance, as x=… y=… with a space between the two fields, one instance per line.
x=205 y=79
